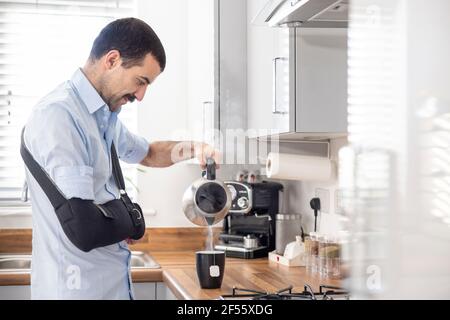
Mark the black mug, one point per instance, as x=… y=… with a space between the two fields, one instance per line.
x=210 y=268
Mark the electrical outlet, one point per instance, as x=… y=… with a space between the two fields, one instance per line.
x=338 y=202
x=324 y=196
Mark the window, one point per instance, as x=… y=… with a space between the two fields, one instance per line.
x=42 y=42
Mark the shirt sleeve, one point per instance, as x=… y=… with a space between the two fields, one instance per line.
x=58 y=144
x=131 y=148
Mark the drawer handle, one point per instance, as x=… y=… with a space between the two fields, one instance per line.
x=275 y=103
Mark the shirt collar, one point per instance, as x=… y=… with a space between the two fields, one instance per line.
x=87 y=92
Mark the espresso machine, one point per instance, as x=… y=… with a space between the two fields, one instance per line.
x=249 y=228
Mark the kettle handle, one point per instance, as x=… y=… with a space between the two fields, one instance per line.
x=210 y=169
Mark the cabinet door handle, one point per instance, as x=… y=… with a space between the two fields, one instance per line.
x=274 y=103
x=206 y=104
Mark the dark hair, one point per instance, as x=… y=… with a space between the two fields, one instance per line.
x=133 y=38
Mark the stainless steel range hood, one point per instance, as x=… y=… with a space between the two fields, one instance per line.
x=304 y=13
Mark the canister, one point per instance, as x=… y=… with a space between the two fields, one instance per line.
x=287 y=226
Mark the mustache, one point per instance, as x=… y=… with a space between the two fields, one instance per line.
x=130 y=97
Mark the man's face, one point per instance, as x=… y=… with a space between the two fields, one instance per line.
x=121 y=85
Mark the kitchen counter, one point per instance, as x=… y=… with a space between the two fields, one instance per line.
x=257 y=274
x=178 y=271
x=179 y=274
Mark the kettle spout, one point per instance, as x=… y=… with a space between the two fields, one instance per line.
x=210 y=220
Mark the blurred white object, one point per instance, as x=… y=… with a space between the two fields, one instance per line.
x=294 y=254
x=395 y=174
x=294 y=248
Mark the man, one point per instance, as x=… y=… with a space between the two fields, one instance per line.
x=70 y=133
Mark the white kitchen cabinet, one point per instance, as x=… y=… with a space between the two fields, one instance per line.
x=152 y=291
x=144 y=290
x=296 y=79
x=163 y=292
x=216 y=67
x=268 y=98
x=321 y=81
x=15 y=292
x=201 y=32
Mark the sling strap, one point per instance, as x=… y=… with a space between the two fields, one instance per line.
x=52 y=192
x=89 y=225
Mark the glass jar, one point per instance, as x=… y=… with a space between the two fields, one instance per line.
x=311 y=253
x=322 y=257
x=329 y=258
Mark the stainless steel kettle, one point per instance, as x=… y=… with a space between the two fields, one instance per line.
x=207 y=200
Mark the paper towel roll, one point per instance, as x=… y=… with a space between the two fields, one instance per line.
x=297 y=167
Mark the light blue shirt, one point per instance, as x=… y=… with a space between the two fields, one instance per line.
x=69 y=134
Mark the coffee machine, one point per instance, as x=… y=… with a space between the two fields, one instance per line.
x=249 y=228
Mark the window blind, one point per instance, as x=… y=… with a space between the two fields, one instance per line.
x=41 y=45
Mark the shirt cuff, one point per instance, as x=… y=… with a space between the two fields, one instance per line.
x=138 y=151
x=75 y=181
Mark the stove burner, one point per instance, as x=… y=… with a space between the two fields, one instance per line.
x=325 y=293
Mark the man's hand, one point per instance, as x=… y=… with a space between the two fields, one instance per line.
x=204 y=151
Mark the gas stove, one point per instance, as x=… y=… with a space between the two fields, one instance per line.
x=325 y=293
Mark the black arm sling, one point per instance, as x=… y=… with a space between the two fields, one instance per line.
x=89 y=225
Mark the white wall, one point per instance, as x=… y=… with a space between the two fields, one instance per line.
x=164 y=111
x=172 y=103
x=299 y=193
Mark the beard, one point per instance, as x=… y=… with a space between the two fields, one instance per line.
x=117 y=102
x=113 y=101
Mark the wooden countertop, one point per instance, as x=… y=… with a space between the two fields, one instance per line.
x=179 y=273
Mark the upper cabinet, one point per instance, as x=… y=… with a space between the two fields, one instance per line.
x=321 y=81
x=216 y=40
x=269 y=76
x=202 y=32
x=243 y=74
x=296 y=79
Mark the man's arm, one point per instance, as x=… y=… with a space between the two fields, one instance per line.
x=166 y=153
